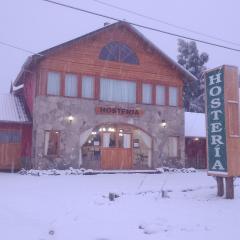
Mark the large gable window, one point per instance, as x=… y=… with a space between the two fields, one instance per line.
x=118 y=52
x=117 y=90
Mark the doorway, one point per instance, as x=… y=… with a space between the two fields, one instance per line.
x=116 y=150
x=117 y=146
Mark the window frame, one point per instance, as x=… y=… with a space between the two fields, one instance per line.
x=152 y=91
x=94 y=87
x=177 y=96
x=177 y=146
x=58 y=145
x=121 y=80
x=113 y=52
x=60 y=83
x=64 y=83
x=10 y=136
x=165 y=94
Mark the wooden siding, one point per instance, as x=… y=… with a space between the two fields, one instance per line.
x=29 y=90
x=231 y=96
x=116 y=158
x=83 y=58
x=12 y=154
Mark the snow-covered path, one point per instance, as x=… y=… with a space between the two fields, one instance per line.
x=77 y=207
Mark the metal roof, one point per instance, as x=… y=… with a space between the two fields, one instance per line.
x=12 y=109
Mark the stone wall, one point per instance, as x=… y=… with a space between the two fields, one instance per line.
x=50 y=113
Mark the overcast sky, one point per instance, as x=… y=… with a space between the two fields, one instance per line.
x=36 y=25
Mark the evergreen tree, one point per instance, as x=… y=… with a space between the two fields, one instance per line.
x=193 y=91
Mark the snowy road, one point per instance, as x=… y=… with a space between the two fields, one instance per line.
x=77 y=207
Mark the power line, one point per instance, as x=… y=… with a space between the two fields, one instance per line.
x=165 y=22
x=143 y=26
x=18 y=48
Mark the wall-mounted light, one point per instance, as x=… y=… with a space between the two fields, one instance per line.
x=196 y=139
x=70 y=118
x=163 y=124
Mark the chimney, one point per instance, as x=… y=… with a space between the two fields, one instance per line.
x=106 y=23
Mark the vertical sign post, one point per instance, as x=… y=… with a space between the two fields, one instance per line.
x=222 y=121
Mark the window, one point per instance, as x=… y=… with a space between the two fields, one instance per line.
x=9 y=136
x=109 y=139
x=124 y=140
x=173 y=96
x=51 y=143
x=173 y=146
x=146 y=93
x=53 y=83
x=118 y=52
x=71 y=85
x=117 y=90
x=88 y=87
x=160 y=95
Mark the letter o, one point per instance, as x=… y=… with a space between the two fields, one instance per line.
x=215 y=91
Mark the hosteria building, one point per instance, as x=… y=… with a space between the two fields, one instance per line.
x=107 y=100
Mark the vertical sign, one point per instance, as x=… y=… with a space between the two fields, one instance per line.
x=216 y=144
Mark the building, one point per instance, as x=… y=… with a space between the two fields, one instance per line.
x=107 y=100
x=15 y=133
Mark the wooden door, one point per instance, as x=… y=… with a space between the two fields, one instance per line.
x=118 y=157
x=10 y=154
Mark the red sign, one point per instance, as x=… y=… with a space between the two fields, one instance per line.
x=113 y=110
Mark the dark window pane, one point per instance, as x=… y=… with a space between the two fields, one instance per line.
x=10 y=137
x=120 y=52
x=51 y=142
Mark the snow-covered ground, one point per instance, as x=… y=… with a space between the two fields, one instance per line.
x=77 y=207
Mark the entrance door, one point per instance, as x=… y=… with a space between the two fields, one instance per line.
x=10 y=150
x=116 y=151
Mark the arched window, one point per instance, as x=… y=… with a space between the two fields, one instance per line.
x=118 y=52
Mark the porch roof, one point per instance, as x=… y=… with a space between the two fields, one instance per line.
x=12 y=109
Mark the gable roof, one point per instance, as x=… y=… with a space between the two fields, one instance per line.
x=12 y=109
x=32 y=60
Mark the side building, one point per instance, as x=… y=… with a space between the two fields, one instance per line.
x=15 y=133
x=107 y=100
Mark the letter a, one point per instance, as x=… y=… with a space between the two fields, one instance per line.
x=218 y=165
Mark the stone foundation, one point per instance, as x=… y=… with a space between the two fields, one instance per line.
x=51 y=113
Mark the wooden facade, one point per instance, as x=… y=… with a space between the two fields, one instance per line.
x=15 y=151
x=196 y=156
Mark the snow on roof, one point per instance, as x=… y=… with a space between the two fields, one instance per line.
x=12 y=109
x=15 y=88
x=195 y=125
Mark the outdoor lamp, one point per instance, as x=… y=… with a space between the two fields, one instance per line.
x=70 y=118
x=163 y=124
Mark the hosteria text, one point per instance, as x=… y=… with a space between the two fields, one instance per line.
x=217 y=161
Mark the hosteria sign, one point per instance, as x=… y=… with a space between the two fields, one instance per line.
x=113 y=110
x=217 y=156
